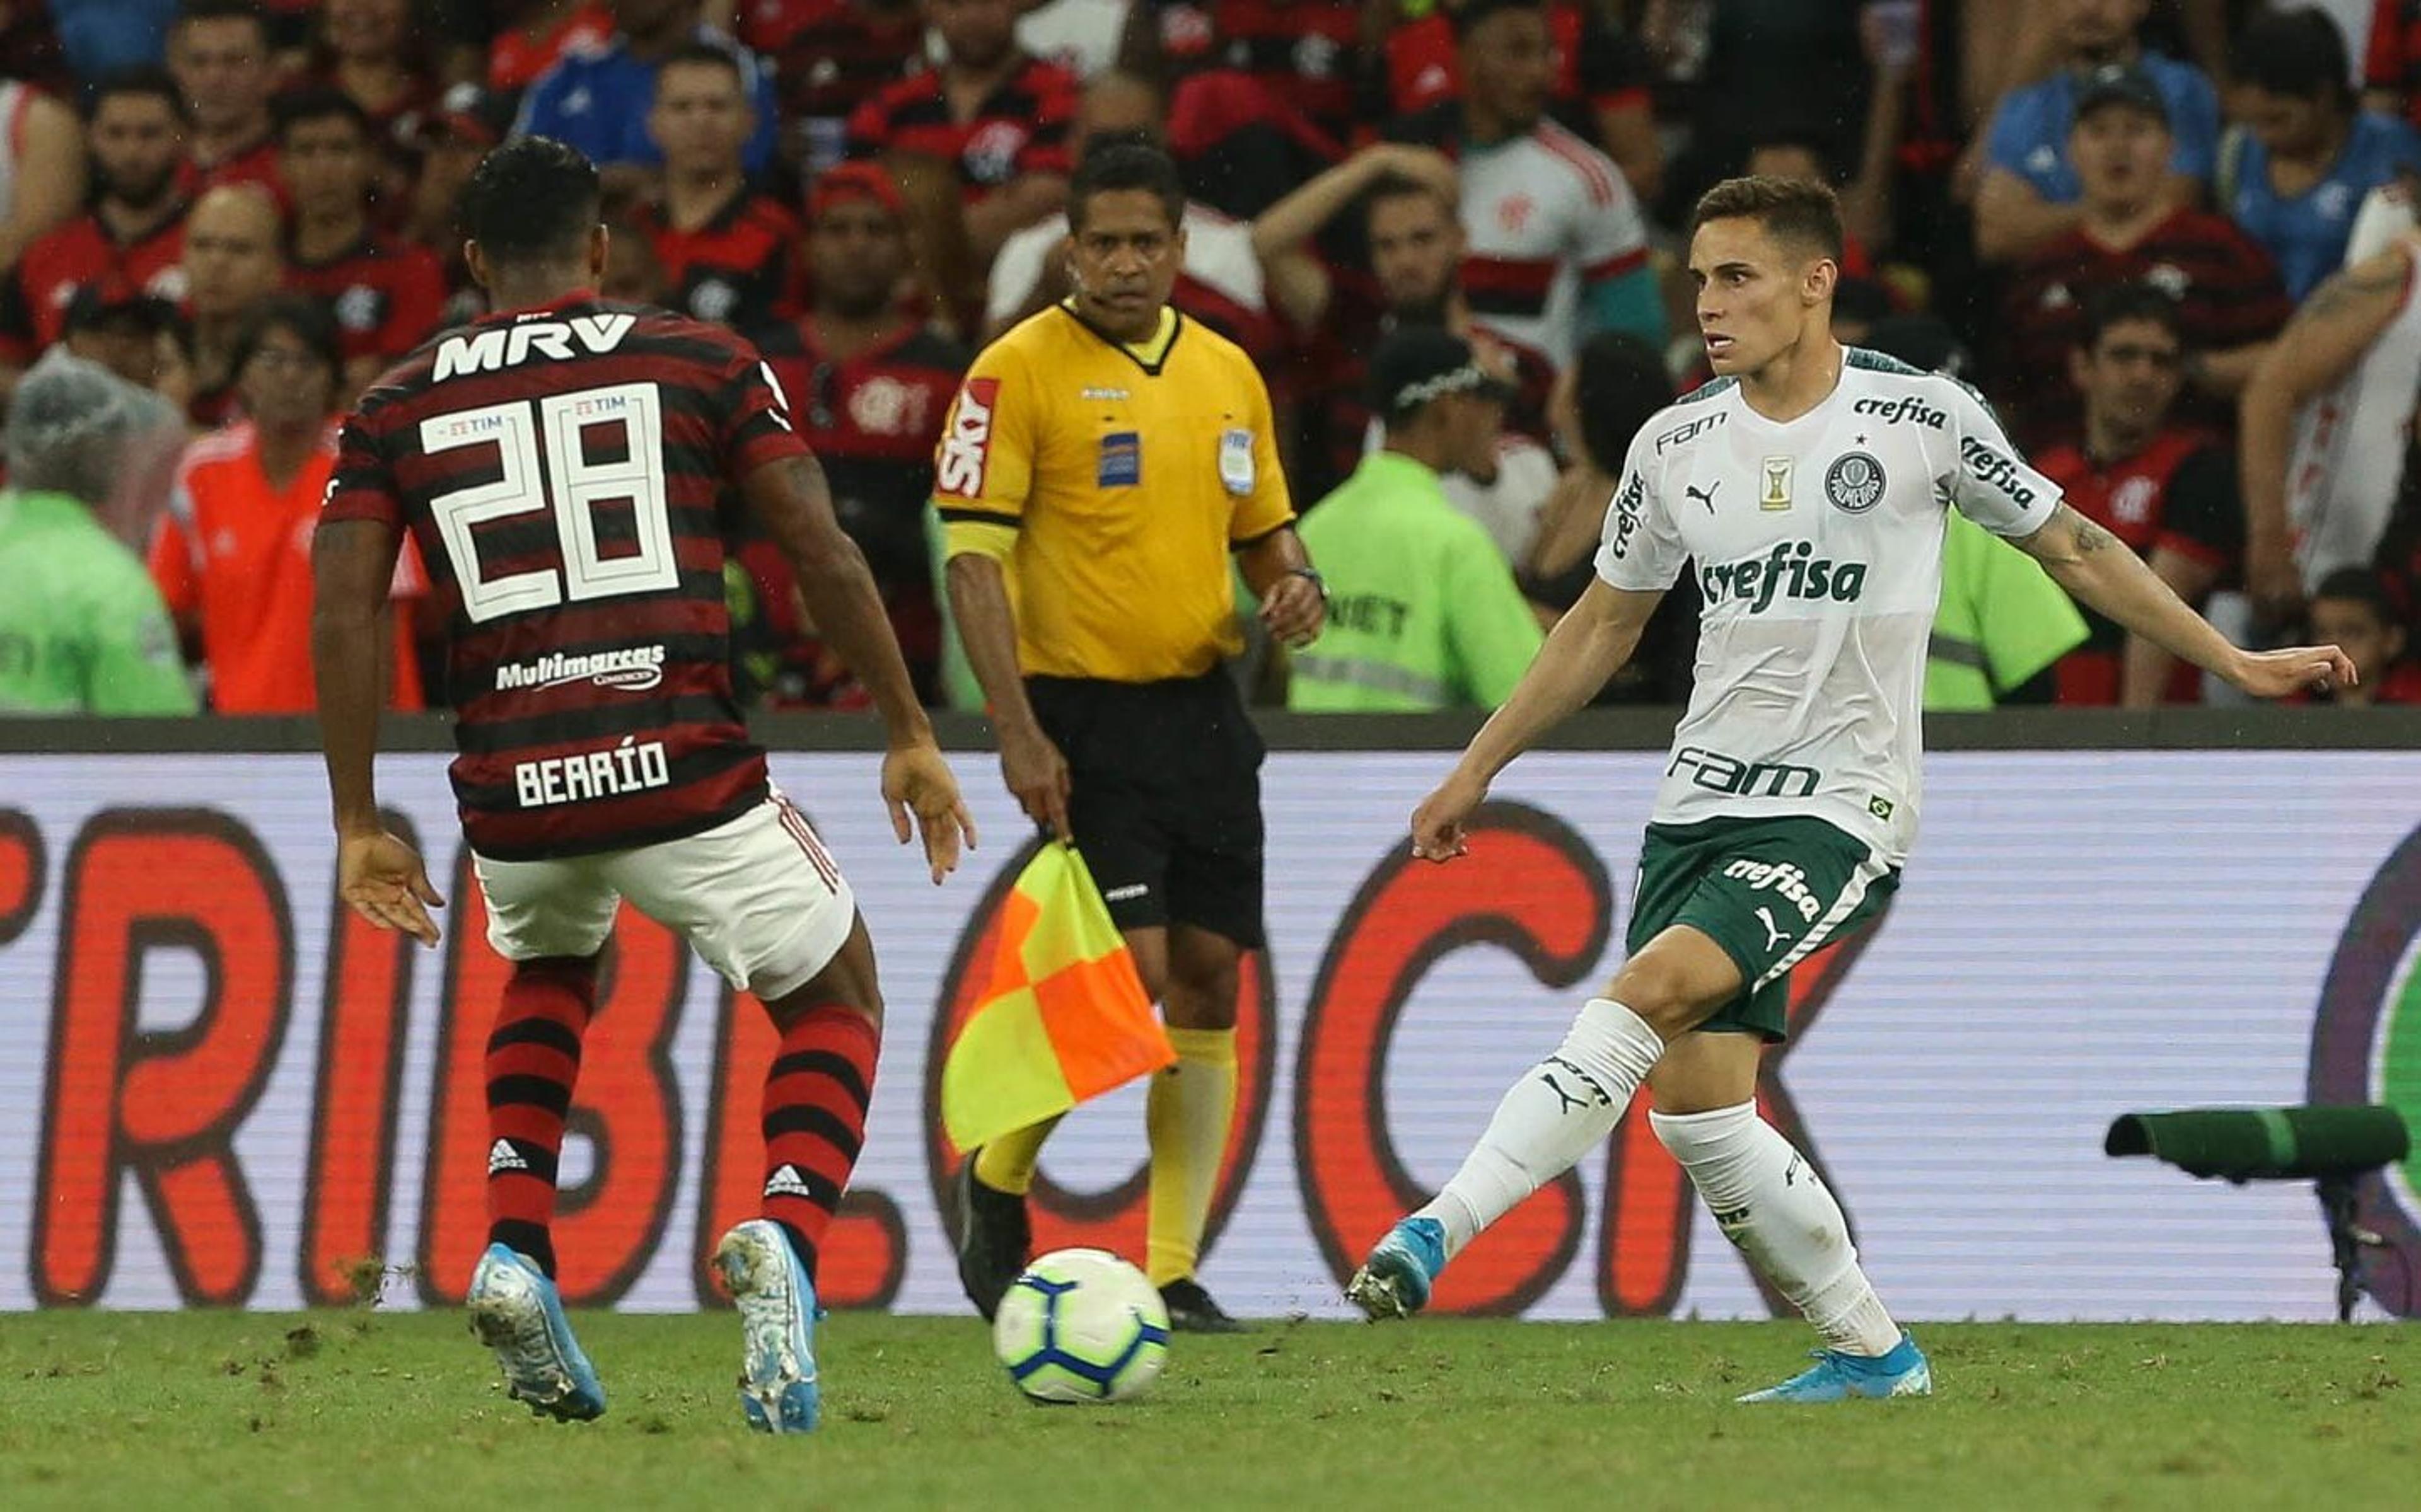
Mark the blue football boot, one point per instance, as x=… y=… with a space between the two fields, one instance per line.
x=1395 y=1281
x=516 y=1311
x=1840 y=1378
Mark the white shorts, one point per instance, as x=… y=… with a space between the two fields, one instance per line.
x=759 y=897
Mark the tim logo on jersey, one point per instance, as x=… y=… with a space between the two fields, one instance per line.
x=1790 y=570
x=967 y=442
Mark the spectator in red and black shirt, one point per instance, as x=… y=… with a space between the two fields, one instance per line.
x=233 y=260
x=386 y=293
x=2230 y=300
x=1413 y=276
x=828 y=57
x=135 y=129
x=2391 y=74
x=468 y=120
x=728 y=252
x=2167 y=489
x=2352 y=608
x=997 y=115
x=1600 y=90
x=219 y=51
x=870 y=388
x=1305 y=55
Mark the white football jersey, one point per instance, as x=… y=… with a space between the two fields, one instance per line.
x=2348 y=462
x=1818 y=548
x=1543 y=215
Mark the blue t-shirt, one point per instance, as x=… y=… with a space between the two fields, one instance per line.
x=598 y=101
x=2305 y=236
x=2029 y=132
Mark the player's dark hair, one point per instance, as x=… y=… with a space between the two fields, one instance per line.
x=1467 y=17
x=1791 y=210
x=1114 y=166
x=306 y=318
x=531 y=200
x=308 y=103
x=193 y=10
x=149 y=82
x=2362 y=585
x=2121 y=302
x=1619 y=381
x=707 y=55
x=2299 y=55
x=1796 y=138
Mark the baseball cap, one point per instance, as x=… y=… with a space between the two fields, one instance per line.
x=2121 y=83
x=1415 y=364
x=111 y=295
x=471 y=112
x=855 y=180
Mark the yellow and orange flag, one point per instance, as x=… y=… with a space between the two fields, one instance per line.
x=1063 y=1017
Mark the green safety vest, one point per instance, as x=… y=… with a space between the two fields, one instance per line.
x=2001 y=620
x=82 y=627
x=1423 y=611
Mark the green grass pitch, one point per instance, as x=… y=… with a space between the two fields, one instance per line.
x=363 y=1409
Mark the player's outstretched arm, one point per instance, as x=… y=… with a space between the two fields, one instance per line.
x=790 y=499
x=380 y=877
x=2098 y=569
x=1587 y=645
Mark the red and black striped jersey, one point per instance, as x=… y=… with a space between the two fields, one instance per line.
x=2179 y=492
x=2227 y=291
x=828 y=57
x=1022 y=127
x=387 y=295
x=1306 y=52
x=34 y=299
x=740 y=268
x=569 y=474
x=1597 y=67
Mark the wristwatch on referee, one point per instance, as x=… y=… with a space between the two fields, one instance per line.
x=1311 y=575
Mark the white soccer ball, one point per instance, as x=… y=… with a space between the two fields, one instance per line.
x=1080 y=1326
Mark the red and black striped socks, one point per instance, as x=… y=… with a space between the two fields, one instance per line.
x=533 y=1060
x=815 y=1093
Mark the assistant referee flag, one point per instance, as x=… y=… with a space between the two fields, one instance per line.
x=1063 y=1017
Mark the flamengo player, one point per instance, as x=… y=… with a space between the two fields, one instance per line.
x=1809 y=485
x=568 y=469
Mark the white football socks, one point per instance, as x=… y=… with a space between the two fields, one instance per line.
x=1768 y=1201
x=1558 y=1112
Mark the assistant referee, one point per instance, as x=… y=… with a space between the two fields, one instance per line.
x=1103 y=460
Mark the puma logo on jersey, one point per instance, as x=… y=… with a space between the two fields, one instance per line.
x=966 y=447
x=501 y=345
x=1704 y=496
x=1995 y=470
x=1783 y=879
x=1772 y=935
x=1790 y=570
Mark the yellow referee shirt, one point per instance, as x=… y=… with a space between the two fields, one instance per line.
x=1111 y=481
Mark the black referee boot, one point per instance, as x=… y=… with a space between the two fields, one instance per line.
x=1192 y=1310
x=995 y=1240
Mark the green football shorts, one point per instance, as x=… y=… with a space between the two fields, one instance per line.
x=1770 y=890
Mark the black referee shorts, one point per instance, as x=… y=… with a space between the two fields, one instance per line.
x=1166 y=800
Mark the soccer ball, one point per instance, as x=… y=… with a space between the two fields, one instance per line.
x=1080 y=1326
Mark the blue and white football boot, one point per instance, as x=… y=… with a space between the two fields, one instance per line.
x=777 y=1323
x=1395 y=1281
x=1840 y=1378
x=516 y=1311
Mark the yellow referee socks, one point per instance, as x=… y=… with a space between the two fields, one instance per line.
x=1186 y=1116
x=1007 y=1164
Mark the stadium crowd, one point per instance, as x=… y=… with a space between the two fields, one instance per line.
x=2173 y=242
